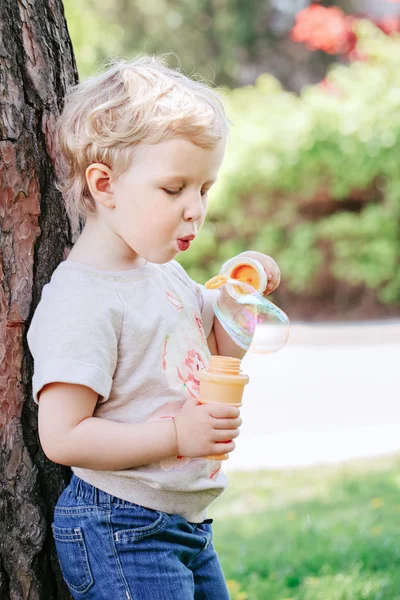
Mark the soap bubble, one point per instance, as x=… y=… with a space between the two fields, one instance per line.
x=253 y=322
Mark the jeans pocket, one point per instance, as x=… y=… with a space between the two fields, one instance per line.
x=73 y=558
x=134 y=524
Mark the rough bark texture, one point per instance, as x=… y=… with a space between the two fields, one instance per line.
x=36 y=67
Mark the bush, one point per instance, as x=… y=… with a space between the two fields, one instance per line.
x=314 y=179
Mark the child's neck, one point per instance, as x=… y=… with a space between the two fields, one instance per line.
x=98 y=247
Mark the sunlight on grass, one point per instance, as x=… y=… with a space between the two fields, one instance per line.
x=315 y=534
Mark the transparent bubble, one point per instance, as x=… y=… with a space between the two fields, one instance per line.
x=253 y=322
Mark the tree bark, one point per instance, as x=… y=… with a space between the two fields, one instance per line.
x=36 y=67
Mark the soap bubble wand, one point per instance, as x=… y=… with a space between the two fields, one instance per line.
x=253 y=323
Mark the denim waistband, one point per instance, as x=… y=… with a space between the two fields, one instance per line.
x=97 y=497
x=93 y=495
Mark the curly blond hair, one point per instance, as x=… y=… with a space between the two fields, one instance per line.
x=133 y=101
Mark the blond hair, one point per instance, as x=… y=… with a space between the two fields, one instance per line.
x=108 y=115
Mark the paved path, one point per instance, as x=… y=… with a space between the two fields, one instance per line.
x=332 y=394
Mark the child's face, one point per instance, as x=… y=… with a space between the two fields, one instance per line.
x=162 y=197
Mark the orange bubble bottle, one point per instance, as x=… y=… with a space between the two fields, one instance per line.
x=222 y=382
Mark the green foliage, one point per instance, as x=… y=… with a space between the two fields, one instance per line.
x=315 y=180
x=95 y=36
x=315 y=534
x=208 y=36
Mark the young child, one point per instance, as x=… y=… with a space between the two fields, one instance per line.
x=120 y=333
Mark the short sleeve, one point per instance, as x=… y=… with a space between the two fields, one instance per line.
x=204 y=296
x=74 y=334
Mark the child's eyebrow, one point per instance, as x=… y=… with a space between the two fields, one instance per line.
x=183 y=179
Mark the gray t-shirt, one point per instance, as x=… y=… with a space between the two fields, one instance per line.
x=137 y=338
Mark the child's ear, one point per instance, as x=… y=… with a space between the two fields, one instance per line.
x=98 y=178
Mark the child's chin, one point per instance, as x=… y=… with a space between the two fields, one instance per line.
x=162 y=259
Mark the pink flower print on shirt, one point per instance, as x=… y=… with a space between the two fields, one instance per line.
x=214 y=473
x=199 y=324
x=174 y=463
x=187 y=372
x=181 y=361
x=173 y=300
x=164 y=356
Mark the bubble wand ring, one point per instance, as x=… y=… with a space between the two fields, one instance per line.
x=253 y=322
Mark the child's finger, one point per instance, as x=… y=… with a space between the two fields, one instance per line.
x=225 y=435
x=270 y=285
x=273 y=281
x=223 y=411
x=223 y=447
x=228 y=423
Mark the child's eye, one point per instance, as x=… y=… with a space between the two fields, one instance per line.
x=175 y=192
x=172 y=192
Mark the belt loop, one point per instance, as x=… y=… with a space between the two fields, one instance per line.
x=96 y=495
x=78 y=487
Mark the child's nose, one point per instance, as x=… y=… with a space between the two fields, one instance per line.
x=195 y=208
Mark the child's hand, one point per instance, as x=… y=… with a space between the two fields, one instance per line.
x=271 y=269
x=203 y=429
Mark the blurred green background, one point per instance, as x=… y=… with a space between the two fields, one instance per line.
x=311 y=175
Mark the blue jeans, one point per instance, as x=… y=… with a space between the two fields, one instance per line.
x=110 y=549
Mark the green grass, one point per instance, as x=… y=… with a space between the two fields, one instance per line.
x=330 y=533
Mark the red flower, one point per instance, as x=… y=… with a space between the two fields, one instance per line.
x=389 y=24
x=327 y=29
x=331 y=88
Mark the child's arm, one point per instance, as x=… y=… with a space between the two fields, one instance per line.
x=71 y=435
x=228 y=347
x=224 y=343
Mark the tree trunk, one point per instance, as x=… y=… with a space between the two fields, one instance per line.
x=36 y=67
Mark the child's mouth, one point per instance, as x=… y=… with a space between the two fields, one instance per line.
x=184 y=243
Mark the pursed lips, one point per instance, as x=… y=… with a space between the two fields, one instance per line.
x=184 y=242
